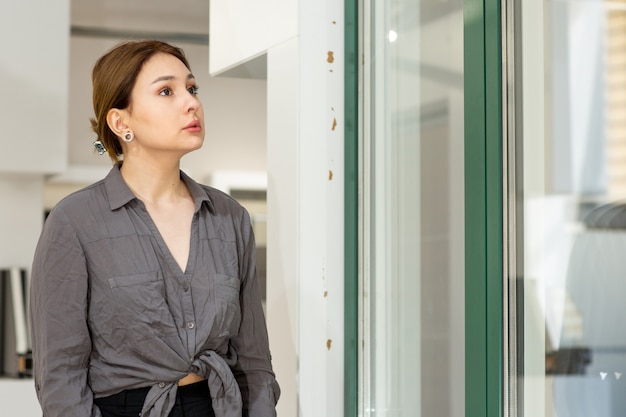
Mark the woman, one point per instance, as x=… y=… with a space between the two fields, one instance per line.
x=144 y=297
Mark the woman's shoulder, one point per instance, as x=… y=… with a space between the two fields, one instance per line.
x=81 y=201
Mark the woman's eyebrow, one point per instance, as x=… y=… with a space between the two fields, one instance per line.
x=171 y=77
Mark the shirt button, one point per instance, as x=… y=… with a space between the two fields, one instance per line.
x=190 y=325
x=186 y=288
x=161 y=384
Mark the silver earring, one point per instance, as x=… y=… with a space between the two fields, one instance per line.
x=99 y=147
x=128 y=136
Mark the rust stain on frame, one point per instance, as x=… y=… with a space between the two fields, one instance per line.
x=334 y=126
x=331 y=57
x=328 y=343
x=330 y=175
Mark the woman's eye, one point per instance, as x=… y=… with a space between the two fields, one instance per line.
x=193 y=89
x=165 y=92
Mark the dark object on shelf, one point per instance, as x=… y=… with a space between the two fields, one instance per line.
x=568 y=361
x=15 y=351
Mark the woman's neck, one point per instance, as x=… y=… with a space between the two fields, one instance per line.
x=153 y=182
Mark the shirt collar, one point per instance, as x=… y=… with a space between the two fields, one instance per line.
x=120 y=195
x=198 y=193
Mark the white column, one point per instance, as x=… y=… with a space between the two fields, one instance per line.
x=305 y=212
x=321 y=208
x=303 y=41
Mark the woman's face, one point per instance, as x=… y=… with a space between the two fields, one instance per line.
x=165 y=113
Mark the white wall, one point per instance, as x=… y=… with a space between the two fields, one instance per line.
x=33 y=68
x=33 y=115
x=282 y=223
x=21 y=218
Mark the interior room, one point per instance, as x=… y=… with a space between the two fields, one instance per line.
x=233 y=157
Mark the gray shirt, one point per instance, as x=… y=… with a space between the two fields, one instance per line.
x=112 y=310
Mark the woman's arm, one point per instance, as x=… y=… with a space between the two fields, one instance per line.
x=253 y=370
x=58 y=315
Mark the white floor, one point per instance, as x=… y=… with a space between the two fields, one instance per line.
x=17 y=398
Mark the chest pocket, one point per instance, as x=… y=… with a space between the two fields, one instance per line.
x=142 y=306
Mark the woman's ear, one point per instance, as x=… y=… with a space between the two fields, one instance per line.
x=116 y=119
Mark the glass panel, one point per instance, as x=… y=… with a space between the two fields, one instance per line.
x=571 y=216
x=412 y=363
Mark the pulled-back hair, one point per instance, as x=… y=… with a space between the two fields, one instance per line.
x=113 y=78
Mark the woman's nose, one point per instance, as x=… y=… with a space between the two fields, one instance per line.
x=194 y=103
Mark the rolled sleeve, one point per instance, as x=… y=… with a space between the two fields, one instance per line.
x=59 y=329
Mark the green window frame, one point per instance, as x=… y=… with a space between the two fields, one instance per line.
x=351 y=207
x=484 y=295
x=484 y=327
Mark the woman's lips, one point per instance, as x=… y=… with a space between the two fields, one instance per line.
x=194 y=126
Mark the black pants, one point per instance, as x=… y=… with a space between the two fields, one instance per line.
x=192 y=400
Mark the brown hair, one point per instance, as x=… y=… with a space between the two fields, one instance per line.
x=113 y=78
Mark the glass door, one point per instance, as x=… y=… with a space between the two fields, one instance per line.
x=566 y=200
x=411 y=359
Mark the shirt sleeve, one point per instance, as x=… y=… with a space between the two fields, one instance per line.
x=58 y=318
x=259 y=389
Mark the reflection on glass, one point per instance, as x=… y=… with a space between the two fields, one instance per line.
x=412 y=309
x=573 y=338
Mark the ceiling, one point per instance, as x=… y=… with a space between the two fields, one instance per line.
x=165 y=19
